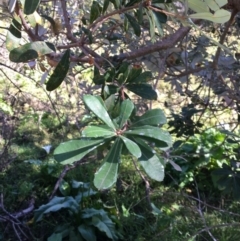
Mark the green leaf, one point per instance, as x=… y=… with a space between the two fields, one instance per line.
x=51 y=21
x=153 y=167
x=143 y=77
x=123 y=72
x=133 y=22
x=87 y=232
x=30 y=6
x=133 y=74
x=116 y=3
x=98 y=79
x=152 y=117
x=152 y=25
x=212 y=5
x=55 y=205
x=14 y=34
x=220 y=16
x=89 y=34
x=125 y=112
x=95 y=12
x=144 y=90
x=55 y=237
x=106 y=176
x=149 y=161
x=105 y=225
x=64 y=188
x=139 y=14
x=59 y=72
x=198 y=6
x=132 y=2
x=94 y=104
x=31 y=51
x=155 y=210
x=159 y=17
x=105 y=5
x=74 y=150
x=110 y=102
x=221 y=3
x=98 y=131
x=132 y=147
x=100 y=219
x=152 y=133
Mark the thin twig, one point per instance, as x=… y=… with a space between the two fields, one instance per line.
x=147 y=185
x=66 y=169
x=201 y=213
x=223 y=36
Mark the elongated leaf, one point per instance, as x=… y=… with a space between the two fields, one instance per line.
x=221 y=3
x=97 y=131
x=134 y=73
x=55 y=205
x=123 y=72
x=72 y=151
x=132 y=2
x=55 y=237
x=149 y=161
x=31 y=51
x=152 y=117
x=95 y=12
x=126 y=110
x=59 y=72
x=152 y=25
x=87 y=232
x=198 y=6
x=152 y=133
x=144 y=90
x=139 y=14
x=105 y=225
x=98 y=79
x=53 y=23
x=175 y=166
x=133 y=22
x=106 y=176
x=143 y=77
x=30 y=6
x=14 y=34
x=220 y=16
x=132 y=147
x=94 y=104
x=105 y=5
x=159 y=18
x=212 y=5
x=153 y=167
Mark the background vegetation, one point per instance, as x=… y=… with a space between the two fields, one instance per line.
x=119 y=120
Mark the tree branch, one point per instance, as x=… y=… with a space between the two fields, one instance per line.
x=166 y=43
x=223 y=36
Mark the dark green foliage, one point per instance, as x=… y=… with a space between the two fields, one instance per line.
x=120 y=131
x=204 y=157
x=183 y=123
x=59 y=72
x=31 y=51
x=30 y=6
